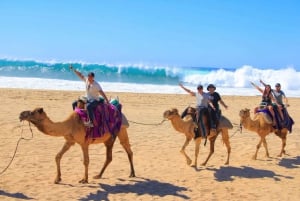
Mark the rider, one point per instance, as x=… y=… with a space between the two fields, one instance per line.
x=201 y=105
x=214 y=109
x=93 y=89
x=267 y=100
x=279 y=95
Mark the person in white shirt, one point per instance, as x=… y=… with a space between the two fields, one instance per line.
x=93 y=90
x=202 y=102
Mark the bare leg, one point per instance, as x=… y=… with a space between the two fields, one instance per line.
x=273 y=114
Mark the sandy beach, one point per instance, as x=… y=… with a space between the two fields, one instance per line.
x=161 y=170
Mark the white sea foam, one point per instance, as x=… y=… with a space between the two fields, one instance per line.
x=57 y=84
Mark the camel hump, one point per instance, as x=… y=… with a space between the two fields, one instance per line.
x=188 y=118
x=225 y=123
x=265 y=116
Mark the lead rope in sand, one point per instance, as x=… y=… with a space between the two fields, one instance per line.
x=157 y=124
x=18 y=142
x=239 y=128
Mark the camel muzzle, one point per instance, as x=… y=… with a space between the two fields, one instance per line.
x=24 y=115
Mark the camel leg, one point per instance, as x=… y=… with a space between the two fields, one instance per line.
x=257 y=148
x=109 y=146
x=58 y=157
x=86 y=161
x=283 y=139
x=186 y=143
x=124 y=141
x=225 y=138
x=197 y=148
x=266 y=147
x=212 y=148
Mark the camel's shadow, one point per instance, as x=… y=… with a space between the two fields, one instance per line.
x=290 y=162
x=231 y=173
x=15 y=195
x=140 y=186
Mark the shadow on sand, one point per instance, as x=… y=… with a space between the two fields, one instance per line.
x=230 y=173
x=141 y=186
x=15 y=195
x=290 y=162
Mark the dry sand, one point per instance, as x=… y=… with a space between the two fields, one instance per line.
x=162 y=173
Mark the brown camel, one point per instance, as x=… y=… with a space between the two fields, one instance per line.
x=73 y=130
x=186 y=126
x=262 y=125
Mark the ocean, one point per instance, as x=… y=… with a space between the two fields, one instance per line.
x=139 y=78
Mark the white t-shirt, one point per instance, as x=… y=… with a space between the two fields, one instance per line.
x=92 y=90
x=202 y=100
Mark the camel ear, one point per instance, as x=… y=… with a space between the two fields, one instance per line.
x=41 y=110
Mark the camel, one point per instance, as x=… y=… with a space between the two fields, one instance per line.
x=73 y=130
x=187 y=126
x=262 y=125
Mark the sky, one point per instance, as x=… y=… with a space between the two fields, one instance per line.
x=211 y=33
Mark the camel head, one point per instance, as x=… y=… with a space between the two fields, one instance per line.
x=34 y=116
x=169 y=114
x=245 y=113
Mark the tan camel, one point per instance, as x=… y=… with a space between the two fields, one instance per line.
x=73 y=130
x=262 y=125
x=186 y=126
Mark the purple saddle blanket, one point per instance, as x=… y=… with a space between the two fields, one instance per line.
x=287 y=121
x=109 y=120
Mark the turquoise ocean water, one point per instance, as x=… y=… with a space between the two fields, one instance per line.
x=30 y=74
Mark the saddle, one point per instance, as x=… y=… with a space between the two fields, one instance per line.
x=287 y=121
x=108 y=116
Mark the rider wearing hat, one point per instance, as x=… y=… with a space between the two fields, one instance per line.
x=214 y=109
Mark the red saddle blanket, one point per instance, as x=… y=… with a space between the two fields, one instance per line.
x=109 y=120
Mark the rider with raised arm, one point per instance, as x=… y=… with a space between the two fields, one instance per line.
x=93 y=90
x=202 y=102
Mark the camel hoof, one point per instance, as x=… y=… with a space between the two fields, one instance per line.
x=57 y=181
x=189 y=162
x=227 y=163
x=132 y=175
x=203 y=164
x=97 y=176
x=194 y=165
x=254 y=157
x=83 y=181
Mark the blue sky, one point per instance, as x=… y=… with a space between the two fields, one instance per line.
x=230 y=33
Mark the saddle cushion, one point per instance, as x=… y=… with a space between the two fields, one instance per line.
x=109 y=120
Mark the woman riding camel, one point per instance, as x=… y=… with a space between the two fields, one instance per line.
x=279 y=95
x=267 y=100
